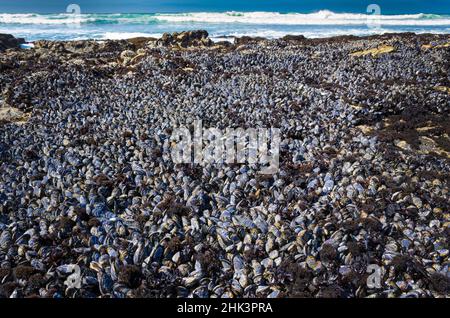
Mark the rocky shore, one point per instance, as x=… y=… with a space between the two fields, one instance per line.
x=7 y=41
x=358 y=208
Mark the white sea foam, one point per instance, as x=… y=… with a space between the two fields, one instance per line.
x=6 y=18
x=262 y=18
x=128 y=35
x=319 y=18
x=272 y=34
x=27 y=46
x=221 y=26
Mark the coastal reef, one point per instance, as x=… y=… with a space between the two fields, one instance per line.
x=7 y=41
x=92 y=204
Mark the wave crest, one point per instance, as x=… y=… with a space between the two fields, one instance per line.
x=323 y=17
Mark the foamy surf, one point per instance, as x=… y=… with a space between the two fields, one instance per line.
x=319 y=18
x=220 y=25
x=324 y=17
x=128 y=35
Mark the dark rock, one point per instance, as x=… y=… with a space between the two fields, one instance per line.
x=50 y=45
x=248 y=40
x=293 y=38
x=7 y=41
x=140 y=42
x=225 y=44
x=83 y=47
x=67 y=46
x=197 y=38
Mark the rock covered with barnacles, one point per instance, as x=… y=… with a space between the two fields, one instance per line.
x=197 y=38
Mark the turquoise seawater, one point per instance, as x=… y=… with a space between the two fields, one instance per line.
x=113 y=19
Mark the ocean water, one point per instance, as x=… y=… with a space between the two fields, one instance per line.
x=112 y=19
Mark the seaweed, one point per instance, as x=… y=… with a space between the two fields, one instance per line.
x=171 y=207
x=4 y=272
x=65 y=224
x=174 y=244
x=328 y=253
x=209 y=261
x=400 y=263
x=7 y=289
x=371 y=224
x=36 y=281
x=131 y=276
x=353 y=279
x=178 y=209
x=440 y=283
x=296 y=278
x=93 y=222
x=350 y=225
x=23 y=272
x=354 y=248
x=331 y=291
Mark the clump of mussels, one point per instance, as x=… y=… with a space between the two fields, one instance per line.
x=88 y=179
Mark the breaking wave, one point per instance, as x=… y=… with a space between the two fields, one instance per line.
x=324 y=17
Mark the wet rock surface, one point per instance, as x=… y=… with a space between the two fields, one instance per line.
x=88 y=179
x=198 y=38
x=7 y=41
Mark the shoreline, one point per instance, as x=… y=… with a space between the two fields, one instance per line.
x=236 y=40
x=232 y=37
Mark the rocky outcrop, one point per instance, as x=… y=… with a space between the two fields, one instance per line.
x=197 y=38
x=141 y=42
x=293 y=38
x=362 y=179
x=84 y=47
x=7 y=41
x=244 y=40
x=12 y=115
